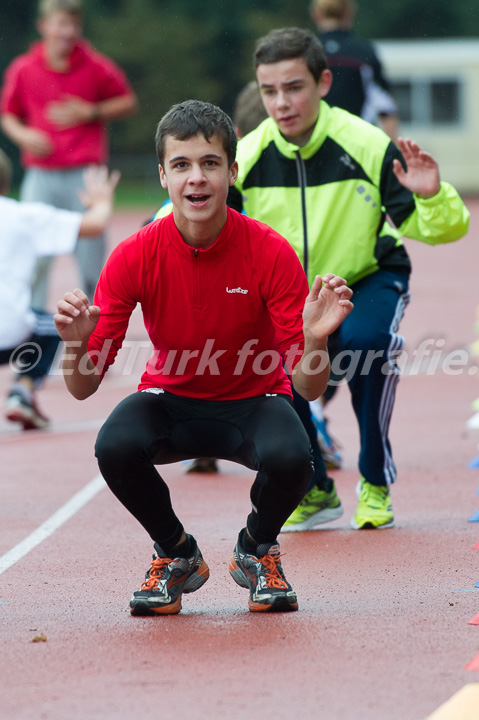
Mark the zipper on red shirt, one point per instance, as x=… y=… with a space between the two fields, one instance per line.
x=197 y=287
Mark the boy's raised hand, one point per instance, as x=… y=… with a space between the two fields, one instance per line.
x=422 y=174
x=326 y=306
x=76 y=318
x=99 y=185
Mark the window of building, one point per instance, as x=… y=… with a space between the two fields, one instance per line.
x=427 y=101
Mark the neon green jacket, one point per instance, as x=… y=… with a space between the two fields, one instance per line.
x=330 y=197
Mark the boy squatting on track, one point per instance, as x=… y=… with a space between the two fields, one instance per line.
x=28 y=231
x=325 y=179
x=222 y=297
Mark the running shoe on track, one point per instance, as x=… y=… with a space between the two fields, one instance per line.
x=263 y=576
x=24 y=410
x=317 y=507
x=374 y=508
x=329 y=447
x=203 y=465
x=166 y=580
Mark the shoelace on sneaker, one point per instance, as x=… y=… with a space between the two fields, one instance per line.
x=372 y=493
x=273 y=577
x=156 y=571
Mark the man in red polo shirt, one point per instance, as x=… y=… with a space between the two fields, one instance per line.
x=55 y=103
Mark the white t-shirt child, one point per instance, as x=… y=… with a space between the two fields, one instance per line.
x=28 y=231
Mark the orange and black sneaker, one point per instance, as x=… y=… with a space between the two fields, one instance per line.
x=263 y=575
x=166 y=580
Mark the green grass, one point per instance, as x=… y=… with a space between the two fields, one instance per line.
x=138 y=194
x=130 y=194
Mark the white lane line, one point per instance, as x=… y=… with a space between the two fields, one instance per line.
x=56 y=520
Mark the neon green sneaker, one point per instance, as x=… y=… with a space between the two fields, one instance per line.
x=317 y=507
x=374 y=508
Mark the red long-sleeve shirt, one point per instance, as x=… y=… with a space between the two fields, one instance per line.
x=30 y=85
x=220 y=320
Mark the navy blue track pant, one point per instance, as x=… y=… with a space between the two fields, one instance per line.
x=364 y=352
x=34 y=357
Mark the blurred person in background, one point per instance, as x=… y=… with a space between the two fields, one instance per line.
x=55 y=104
x=359 y=84
x=28 y=339
x=249 y=110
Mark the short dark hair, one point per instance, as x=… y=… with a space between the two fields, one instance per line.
x=288 y=44
x=249 y=110
x=187 y=119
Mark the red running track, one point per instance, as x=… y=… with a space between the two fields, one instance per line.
x=382 y=630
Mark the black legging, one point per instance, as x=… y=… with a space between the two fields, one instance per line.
x=320 y=475
x=263 y=433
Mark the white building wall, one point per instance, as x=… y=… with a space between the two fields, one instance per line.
x=455 y=146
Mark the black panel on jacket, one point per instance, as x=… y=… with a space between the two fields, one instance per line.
x=331 y=163
x=398 y=200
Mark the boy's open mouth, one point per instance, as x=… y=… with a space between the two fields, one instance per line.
x=197 y=198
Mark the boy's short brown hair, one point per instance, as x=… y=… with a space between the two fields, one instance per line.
x=288 y=44
x=187 y=119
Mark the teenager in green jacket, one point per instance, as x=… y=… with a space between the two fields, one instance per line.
x=325 y=180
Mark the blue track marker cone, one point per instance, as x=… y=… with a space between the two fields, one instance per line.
x=474 y=464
